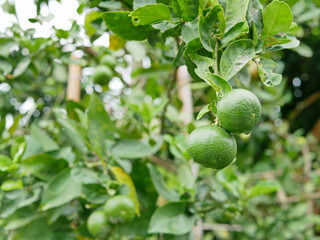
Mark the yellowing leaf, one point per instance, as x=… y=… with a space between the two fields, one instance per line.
x=123 y=178
x=116 y=42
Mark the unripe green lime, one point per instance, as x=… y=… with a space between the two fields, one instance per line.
x=239 y=111
x=108 y=60
x=97 y=224
x=212 y=146
x=119 y=209
x=102 y=75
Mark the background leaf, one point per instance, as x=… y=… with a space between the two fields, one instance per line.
x=61 y=189
x=171 y=219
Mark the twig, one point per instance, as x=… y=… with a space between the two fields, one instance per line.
x=222 y=227
x=304 y=104
x=163 y=163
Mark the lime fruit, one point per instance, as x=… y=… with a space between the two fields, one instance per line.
x=102 y=75
x=119 y=209
x=97 y=224
x=239 y=111
x=212 y=146
x=108 y=60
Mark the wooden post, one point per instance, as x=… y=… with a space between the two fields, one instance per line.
x=185 y=95
x=74 y=81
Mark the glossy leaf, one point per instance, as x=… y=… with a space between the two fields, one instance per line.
x=120 y=24
x=204 y=110
x=150 y=13
x=235 y=57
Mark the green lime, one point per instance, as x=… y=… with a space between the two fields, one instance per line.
x=212 y=146
x=119 y=209
x=239 y=111
x=108 y=60
x=97 y=224
x=102 y=75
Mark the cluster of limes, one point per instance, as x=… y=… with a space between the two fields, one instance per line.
x=214 y=146
x=103 y=72
x=118 y=209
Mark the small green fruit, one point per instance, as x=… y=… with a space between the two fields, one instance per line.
x=212 y=147
x=102 y=75
x=239 y=111
x=97 y=224
x=119 y=209
x=108 y=60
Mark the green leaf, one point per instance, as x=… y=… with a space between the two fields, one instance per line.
x=43 y=138
x=160 y=186
x=235 y=57
x=293 y=29
x=71 y=131
x=294 y=42
x=190 y=31
x=89 y=18
x=263 y=187
x=43 y=166
x=131 y=149
x=11 y=185
x=277 y=17
x=270 y=41
x=21 y=67
x=210 y=25
x=237 y=31
x=151 y=13
x=265 y=70
x=192 y=46
x=100 y=127
x=171 y=219
x=5 y=163
x=61 y=189
x=141 y=3
x=218 y=83
x=120 y=24
x=235 y=12
x=254 y=15
x=204 y=110
x=5 y=66
x=244 y=77
x=186 y=176
x=203 y=64
x=187 y=9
